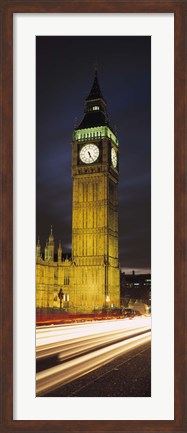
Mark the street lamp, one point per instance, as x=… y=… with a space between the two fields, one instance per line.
x=107 y=301
x=60 y=295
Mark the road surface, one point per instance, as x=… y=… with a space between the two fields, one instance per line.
x=69 y=352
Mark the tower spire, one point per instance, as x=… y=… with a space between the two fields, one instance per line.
x=95 y=107
x=59 y=252
x=51 y=245
x=95 y=92
x=46 y=250
x=38 y=249
x=51 y=237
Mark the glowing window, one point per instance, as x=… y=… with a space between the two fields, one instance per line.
x=96 y=107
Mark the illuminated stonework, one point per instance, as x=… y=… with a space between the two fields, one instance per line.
x=90 y=280
x=94 y=133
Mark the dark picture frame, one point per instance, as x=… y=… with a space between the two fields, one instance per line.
x=7 y=9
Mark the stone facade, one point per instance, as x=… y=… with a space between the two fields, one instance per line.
x=51 y=276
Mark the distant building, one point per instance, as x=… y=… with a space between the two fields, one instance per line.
x=135 y=288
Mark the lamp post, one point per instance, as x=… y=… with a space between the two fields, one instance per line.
x=107 y=298
x=60 y=295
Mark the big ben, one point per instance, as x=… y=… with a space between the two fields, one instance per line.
x=95 y=173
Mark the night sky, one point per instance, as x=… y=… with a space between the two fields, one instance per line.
x=64 y=76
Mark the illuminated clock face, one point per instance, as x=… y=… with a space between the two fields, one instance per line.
x=89 y=153
x=114 y=157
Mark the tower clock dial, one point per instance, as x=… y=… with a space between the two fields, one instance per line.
x=114 y=157
x=89 y=153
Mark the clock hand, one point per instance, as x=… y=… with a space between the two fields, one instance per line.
x=90 y=155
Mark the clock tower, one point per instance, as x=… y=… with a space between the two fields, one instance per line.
x=95 y=172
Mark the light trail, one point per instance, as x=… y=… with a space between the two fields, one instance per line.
x=59 y=333
x=85 y=347
x=77 y=346
x=59 y=375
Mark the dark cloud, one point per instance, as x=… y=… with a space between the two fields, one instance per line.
x=64 y=76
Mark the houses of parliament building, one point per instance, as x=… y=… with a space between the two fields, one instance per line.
x=90 y=279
